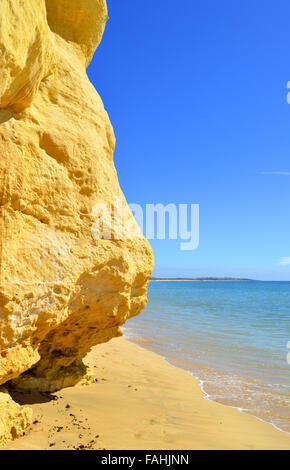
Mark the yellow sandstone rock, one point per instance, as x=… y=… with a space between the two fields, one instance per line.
x=14 y=418
x=62 y=289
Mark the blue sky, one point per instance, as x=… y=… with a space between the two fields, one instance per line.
x=196 y=92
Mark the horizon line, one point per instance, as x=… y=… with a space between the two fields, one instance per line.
x=213 y=278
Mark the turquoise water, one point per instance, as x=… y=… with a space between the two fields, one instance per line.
x=233 y=336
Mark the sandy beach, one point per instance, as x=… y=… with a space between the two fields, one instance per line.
x=139 y=401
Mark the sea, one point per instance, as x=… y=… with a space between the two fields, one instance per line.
x=233 y=336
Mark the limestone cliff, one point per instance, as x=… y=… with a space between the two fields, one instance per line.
x=62 y=290
x=14 y=418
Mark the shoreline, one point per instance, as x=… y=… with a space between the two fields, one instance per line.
x=175 y=363
x=140 y=401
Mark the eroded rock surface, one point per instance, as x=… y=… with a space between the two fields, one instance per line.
x=14 y=418
x=61 y=289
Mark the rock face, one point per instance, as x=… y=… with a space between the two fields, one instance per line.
x=14 y=418
x=62 y=289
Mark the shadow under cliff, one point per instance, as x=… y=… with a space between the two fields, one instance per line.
x=31 y=398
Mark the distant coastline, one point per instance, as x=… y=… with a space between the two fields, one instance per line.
x=203 y=279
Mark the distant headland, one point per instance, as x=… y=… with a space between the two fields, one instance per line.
x=205 y=279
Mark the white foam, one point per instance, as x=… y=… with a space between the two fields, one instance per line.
x=241 y=410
